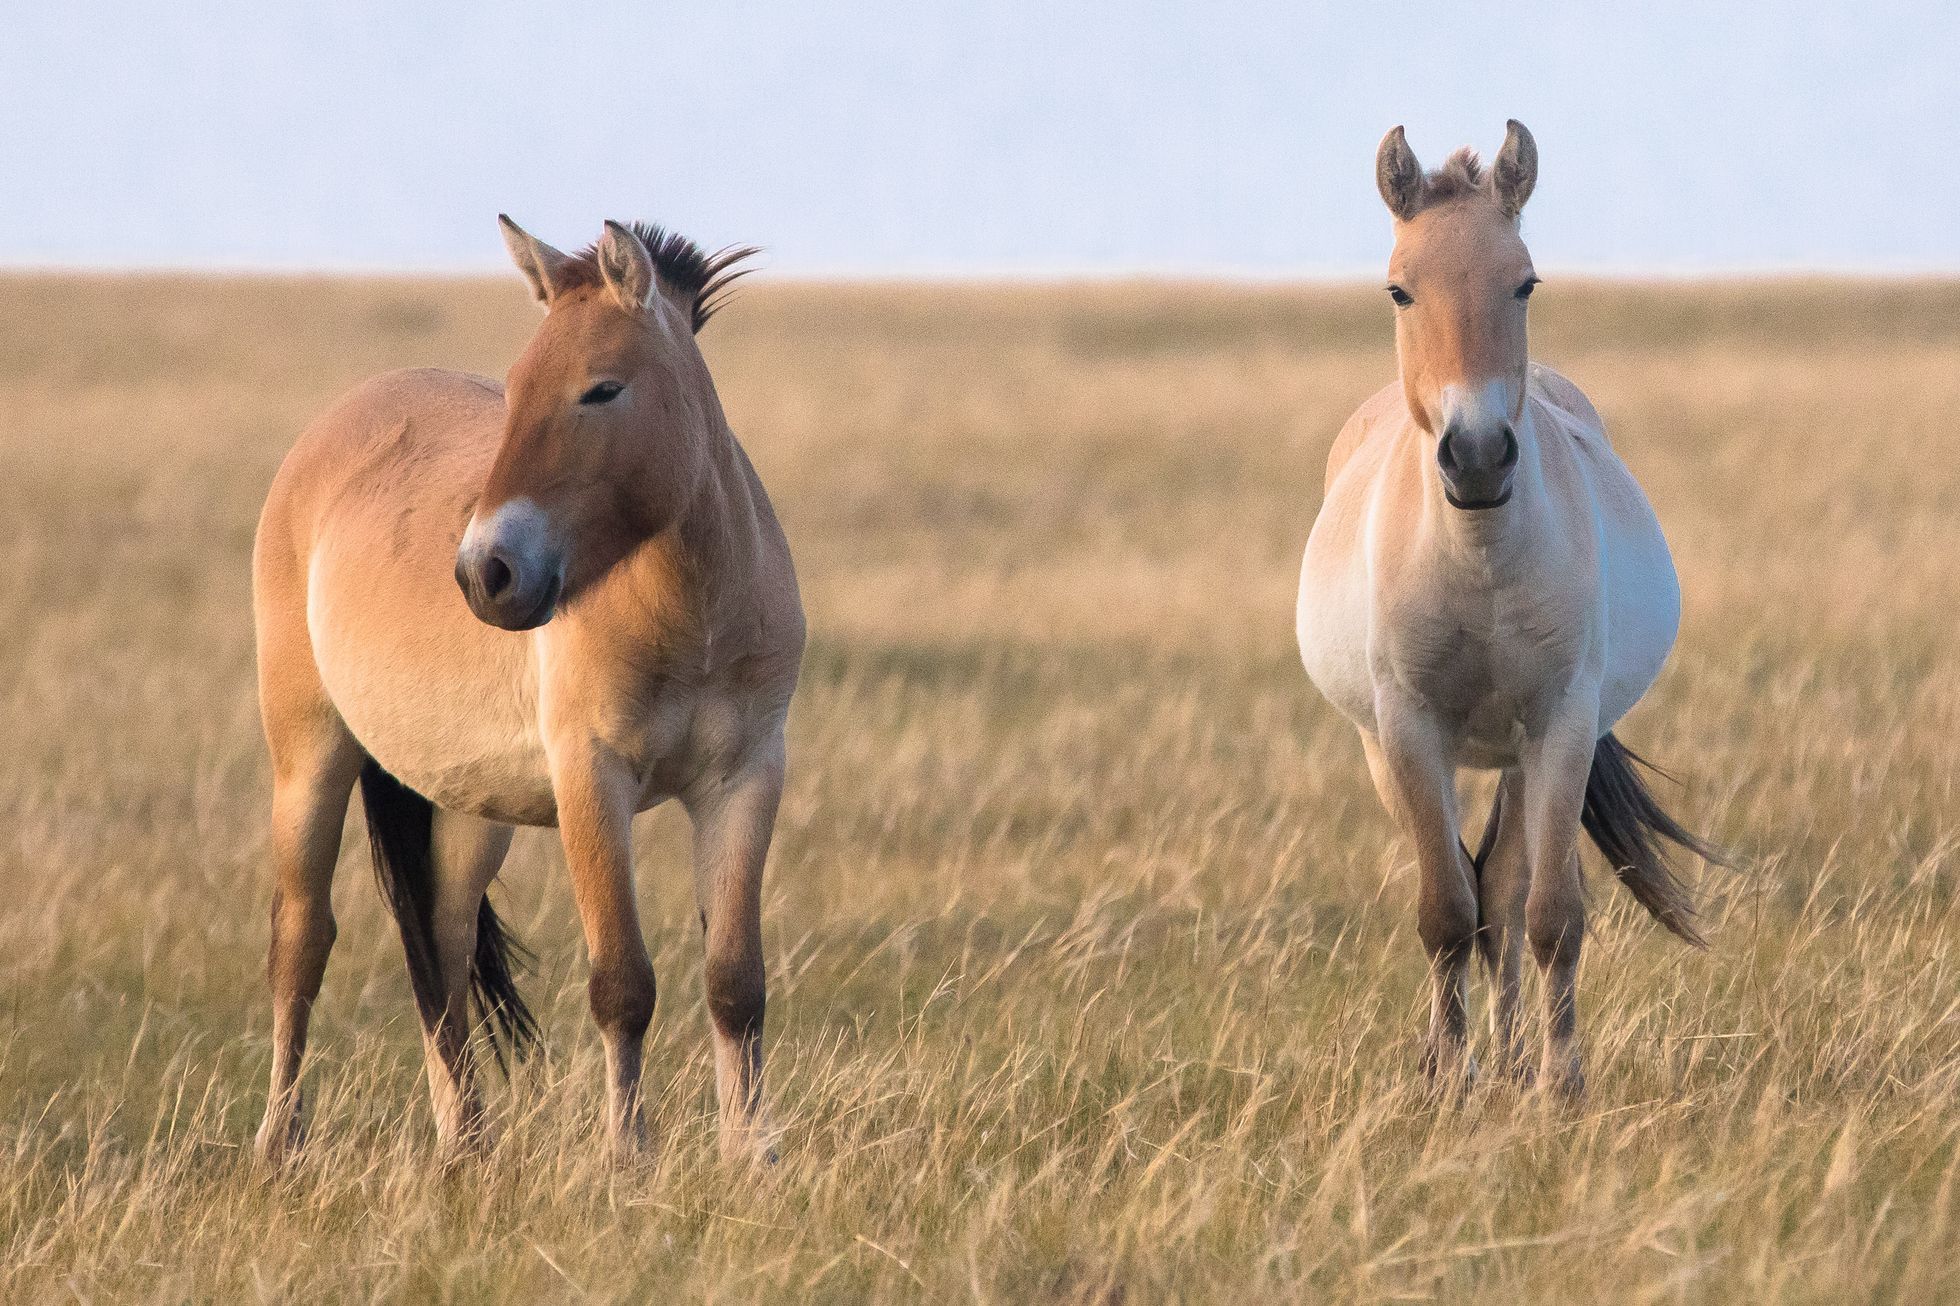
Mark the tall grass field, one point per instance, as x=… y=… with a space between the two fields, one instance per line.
x=1093 y=962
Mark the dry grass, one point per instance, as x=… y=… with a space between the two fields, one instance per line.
x=1095 y=974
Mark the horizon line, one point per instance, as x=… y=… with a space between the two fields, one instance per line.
x=1006 y=274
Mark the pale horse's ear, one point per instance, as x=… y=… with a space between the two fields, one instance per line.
x=1516 y=169
x=626 y=267
x=541 y=265
x=1398 y=176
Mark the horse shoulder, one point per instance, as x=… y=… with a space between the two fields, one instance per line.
x=1567 y=400
x=1366 y=419
x=1566 y=416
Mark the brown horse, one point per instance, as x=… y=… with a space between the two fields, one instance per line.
x=559 y=603
x=1487 y=587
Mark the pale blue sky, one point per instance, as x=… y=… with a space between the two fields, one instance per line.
x=1007 y=137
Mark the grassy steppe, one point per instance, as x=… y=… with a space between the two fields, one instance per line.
x=1094 y=967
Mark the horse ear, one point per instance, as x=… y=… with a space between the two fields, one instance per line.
x=1516 y=169
x=539 y=262
x=626 y=266
x=1398 y=175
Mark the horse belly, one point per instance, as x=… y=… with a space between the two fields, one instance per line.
x=1643 y=609
x=488 y=764
x=445 y=705
x=1331 y=622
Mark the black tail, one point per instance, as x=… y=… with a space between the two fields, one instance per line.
x=1489 y=841
x=400 y=826
x=1628 y=825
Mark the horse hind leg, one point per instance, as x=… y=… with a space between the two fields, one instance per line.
x=467 y=853
x=314 y=764
x=435 y=866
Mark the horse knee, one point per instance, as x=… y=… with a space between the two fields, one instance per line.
x=1447 y=924
x=622 y=1000
x=1556 y=929
x=737 y=996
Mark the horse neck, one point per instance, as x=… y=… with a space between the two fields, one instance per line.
x=709 y=550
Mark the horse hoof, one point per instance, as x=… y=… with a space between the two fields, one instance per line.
x=1566 y=1084
x=278 y=1142
x=1450 y=1077
x=629 y=1148
x=465 y=1148
x=744 y=1148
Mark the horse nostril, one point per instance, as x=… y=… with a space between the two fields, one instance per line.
x=1445 y=457
x=1510 y=449
x=497 y=576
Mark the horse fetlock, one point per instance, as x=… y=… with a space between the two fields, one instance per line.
x=1449 y=1068
x=745 y=1137
x=465 y=1135
x=461 y=1123
x=626 y=1129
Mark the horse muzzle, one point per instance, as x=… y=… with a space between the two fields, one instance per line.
x=507 y=570
x=1478 y=468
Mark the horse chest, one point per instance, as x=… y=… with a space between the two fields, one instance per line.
x=685 y=733
x=1481 y=666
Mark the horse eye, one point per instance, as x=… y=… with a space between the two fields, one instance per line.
x=1400 y=296
x=1524 y=291
x=603 y=393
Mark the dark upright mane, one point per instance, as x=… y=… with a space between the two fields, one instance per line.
x=700 y=280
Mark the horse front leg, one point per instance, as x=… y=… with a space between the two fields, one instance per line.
x=734 y=818
x=596 y=793
x=1555 y=770
x=1503 y=879
x=1416 y=778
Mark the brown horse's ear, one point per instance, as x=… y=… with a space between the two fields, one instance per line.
x=626 y=266
x=539 y=262
x=1516 y=169
x=1398 y=175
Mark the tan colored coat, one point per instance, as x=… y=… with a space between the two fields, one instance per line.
x=557 y=604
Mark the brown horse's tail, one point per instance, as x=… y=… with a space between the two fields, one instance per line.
x=400 y=829
x=1627 y=825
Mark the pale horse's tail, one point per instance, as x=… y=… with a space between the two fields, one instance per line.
x=1631 y=830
